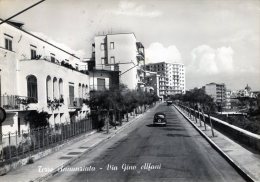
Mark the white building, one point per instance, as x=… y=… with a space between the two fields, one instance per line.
x=217 y=92
x=37 y=75
x=172 y=77
x=120 y=52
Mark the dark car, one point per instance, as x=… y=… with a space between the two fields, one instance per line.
x=169 y=102
x=159 y=119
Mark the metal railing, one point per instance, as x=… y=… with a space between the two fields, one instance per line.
x=23 y=143
x=15 y=102
x=114 y=67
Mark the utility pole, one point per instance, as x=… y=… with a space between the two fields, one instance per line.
x=26 y=9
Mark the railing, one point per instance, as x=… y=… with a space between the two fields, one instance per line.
x=15 y=102
x=244 y=137
x=107 y=67
x=26 y=142
x=75 y=102
x=140 y=56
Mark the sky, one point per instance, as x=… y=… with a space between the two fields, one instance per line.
x=217 y=40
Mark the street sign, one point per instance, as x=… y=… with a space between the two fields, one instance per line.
x=2 y=115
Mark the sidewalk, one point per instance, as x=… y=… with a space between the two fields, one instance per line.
x=49 y=165
x=245 y=160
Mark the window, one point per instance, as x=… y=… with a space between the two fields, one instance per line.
x=112 y=60
x=101 y=84
x=104 y=60
x=48 y=88
x=52 y=58
x=112 y=45
x=33 y=52
x=80 y=91
x=32 y=87
x=103 y=46
x=61 y=88
x=9 y=42
x=71 y=94
x=55 y=88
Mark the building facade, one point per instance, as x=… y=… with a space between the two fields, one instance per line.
x=171 y=79
x=217 y=92
x=152 y=82
x=120 y=52
x=39 y=76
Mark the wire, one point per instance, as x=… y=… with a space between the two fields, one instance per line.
x=21 y=12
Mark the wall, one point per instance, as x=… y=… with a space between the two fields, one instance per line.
x=125 y=51
x=16 y=65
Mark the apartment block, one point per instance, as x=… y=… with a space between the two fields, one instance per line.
x=171 y=79
x=152 y=82
x=217 y=92
x=120 y=52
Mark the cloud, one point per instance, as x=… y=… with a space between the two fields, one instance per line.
x=133 y=9
x=242 y=35
x=206 y=60
x=156 y=52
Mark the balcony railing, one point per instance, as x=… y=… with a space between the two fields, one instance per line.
x=140 y=56
x=75 y=102
x=107 y=67
x=15 y=102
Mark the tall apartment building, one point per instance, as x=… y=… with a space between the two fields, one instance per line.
x=217 y=92
x=120 y=52
x=172 y=77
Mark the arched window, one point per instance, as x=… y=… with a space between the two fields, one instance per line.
x=61 y=87
x=55 y=88
x=79 y=91
x=32 y=87
x=86 y=90
x=48 y=88
x=83 y=91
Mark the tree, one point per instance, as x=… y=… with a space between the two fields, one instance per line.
x=37 y=119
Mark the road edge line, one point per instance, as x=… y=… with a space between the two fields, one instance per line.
x=237 y=167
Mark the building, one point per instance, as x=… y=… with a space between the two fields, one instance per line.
x=217 y=92
x=102 y=78
x=152 y=82
x=171 y=79
x=228 y=99
x=120 y=52
x=38 y=76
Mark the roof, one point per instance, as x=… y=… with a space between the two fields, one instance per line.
x=15 y=25
x=163 y=62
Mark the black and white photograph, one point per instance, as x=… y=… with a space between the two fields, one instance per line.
x=130 y=90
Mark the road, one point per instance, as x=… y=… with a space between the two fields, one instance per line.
x=143 y=152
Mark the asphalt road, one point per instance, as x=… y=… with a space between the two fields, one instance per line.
x=143 y=152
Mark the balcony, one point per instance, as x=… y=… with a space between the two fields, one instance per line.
x=107 y=67
x=140 y=56
x=41 y=61
x=17 y=103
x=75 y=102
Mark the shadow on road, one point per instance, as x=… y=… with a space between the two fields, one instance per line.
x=173 y=129
x=177 y=135
x=152 y=125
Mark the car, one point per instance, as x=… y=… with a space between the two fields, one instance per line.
x=169 y=102
x=159 y=119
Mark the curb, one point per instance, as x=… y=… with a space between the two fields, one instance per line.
x=56 y=170
x=42 y=154
x=236 y=166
